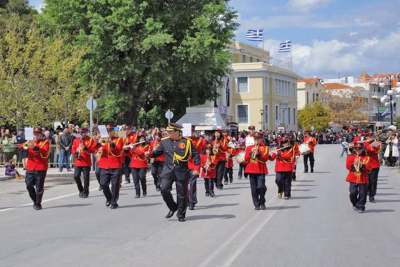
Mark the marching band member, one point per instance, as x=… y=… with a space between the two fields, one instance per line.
x=311 y=142
x=359 y=137
x=158 y=164
x=198 y=144
x=297 y=155
x=285 y=156
x=372 y=147
x=131 y=138
x=257 y=155
x=177 y=150
x=37 y=166
x=110 y=153
x=242 y=165
x=230 y=153
x=139 y=163
x=83 y=148
x=208 y=163
x=220 y=145
x=358 y=164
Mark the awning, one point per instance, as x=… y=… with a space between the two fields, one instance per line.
x=203 y=116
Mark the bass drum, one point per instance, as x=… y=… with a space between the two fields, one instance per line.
x=304 y=149
x=240 y=157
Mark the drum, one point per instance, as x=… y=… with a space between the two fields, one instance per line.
x=240 y=157
x=304 y=149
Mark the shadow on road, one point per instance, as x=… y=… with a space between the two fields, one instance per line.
x=305 y=181
x=378 y=211
x=304 y=185
x=387 y=194
x=216 y=206
x=301 y=190
x=320 y=172
x=207 y=217
x=387 y=200
x=283 y=207
x=139 y=205
x=303 y=197
x=224 y=195
x=229 y=188
x=385 y=188
x=66 y=206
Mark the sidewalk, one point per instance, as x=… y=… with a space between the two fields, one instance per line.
x=51 y=173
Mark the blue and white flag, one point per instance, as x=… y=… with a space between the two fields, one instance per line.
x=255 y=35
x=285 y=47
x=386 y=113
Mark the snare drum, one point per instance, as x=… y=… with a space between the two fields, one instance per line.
x=240 y=157
x=304 y=149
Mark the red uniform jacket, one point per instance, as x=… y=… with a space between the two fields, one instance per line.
x=373 y=153
x=238 y=151
x=229 y=163
x=211 y=173
x=223 y=147
x=131 y=138
x=311 y=145
x=157 y=143
x=199 y=145
x=111 y=157
x=139 y=160
x=365 y=168
x=259 y=165
x=284 y=160
x=357 y=139
x=86 y=158
x=38 y=156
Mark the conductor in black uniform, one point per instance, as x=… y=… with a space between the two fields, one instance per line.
x=177 y=150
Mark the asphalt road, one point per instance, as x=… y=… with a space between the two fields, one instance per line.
x=316 y=227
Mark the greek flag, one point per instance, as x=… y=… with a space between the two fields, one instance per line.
x=387 y=112
x=285 y=47
x=255 y=35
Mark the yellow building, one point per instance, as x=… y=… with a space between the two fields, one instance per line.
x=308 y=90
x=261 y=94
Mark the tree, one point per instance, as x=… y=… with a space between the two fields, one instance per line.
x=347 y=105
x=37 y=75
x=147 y=53
x=314 y=114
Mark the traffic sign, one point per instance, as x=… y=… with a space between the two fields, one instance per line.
x=94 y=104
x=169 y=114
x=312 y=128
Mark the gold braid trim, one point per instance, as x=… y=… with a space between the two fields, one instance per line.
x=42 y=145
x=178 y=158
x=109 y=149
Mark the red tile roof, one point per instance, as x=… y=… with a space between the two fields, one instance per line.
x=333 y=86
x=308 y=80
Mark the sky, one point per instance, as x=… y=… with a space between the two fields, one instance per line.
x=330 y=38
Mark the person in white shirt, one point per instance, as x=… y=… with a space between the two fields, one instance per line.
x=345 y=146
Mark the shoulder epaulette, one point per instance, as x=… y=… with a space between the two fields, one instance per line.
x=187 y=138
x=165 y=138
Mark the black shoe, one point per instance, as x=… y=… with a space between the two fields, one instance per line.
x=158 y=188
x=263 y=207
x=100 y=188
x=80 y=194
x=212 y=195
x=182 y=219
x=207 y=194
x=306 y=171
x=108 y=203
x=114 y=206
x=144 y=193
x=257 y=208
x=355 y=208
x=137 y=196
x=312 y=170
x=170 y=214
x=372 y=200
x=191 y=207
x=84 y=195
x=231 y=181
x=35 y=207
x=226 y=182
x=360 y=211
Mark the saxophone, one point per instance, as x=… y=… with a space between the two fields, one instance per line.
x=254 y=154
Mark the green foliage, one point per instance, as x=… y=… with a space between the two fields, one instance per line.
x=316 y=115
x=153 y=117
x=150 y=53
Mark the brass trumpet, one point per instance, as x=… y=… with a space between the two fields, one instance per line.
x=103 y=141
x=26 y=144
x=357 y=167
x=215 y=149
x=254 y=154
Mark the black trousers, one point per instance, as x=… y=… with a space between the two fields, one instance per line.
x=242 y=167
x=228 y=172
x=220 y=174
x=97 y=172
x=358 y=195
x=126 y=168
x=193 y=188
x=113 y=177
x=305 y=158
x=86 y=178
x=35 y=179
x=181 y=194
x=156 y=170
x=373 y=182
x=284 y=182
x=209 y=185
x=258 y=188
x=139 y=178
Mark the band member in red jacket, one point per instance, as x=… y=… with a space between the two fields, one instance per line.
x=358 y=164
x=220 y=146
x=131 y=138
x=311 y=142
x=37 y=166
x=139 y=163
x=243 y=164
x=199 y=145
x=297 y=153
x=285 y=156
x=372 y=147
x=230 y=153
x=158 y=164
x=257 y=155
x=83 y=148
x=110 y=153
x=208 y=163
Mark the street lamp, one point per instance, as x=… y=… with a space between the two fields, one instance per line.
x=262 y=119
x=388 y=98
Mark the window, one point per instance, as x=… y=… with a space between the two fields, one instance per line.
x=313 y=97
x=307 y=98
x=243 y=113
x=288 y=114
x=266 y=85
x=251 y=59
x=243 y=85
x=276 y=86
x=276 y=113
x=244 y=59
x=294 y=116
x=266 y=113
x=258 y=60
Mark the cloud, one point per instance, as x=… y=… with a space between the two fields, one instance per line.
x=328 y=58
x=306 y=5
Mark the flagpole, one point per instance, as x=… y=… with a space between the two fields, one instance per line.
x=263 y=44
x=291 y=54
